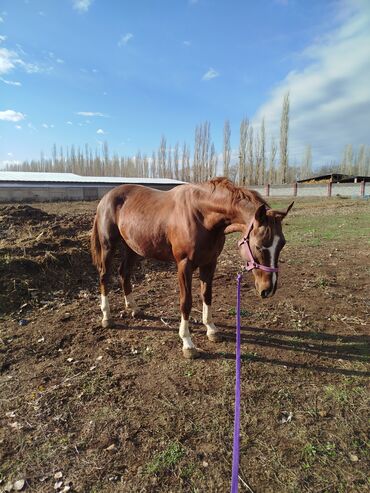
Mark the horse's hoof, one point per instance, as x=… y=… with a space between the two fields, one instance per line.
x=107 y=324
x=216 y=337
x=190 y=353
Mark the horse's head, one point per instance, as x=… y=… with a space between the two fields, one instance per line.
x=261 y=245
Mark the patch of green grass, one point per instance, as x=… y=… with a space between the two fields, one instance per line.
x=248 y=356
x=342 y=395
x=311 y=452
x=166 y=460
x=322 y=282
x=313 y=230
x=243 y=312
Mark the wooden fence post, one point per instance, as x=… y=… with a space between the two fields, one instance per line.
x=267 y=190
x=330 y=185
x=295 y=189
x=362 y=188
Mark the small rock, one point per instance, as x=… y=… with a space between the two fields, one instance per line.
x=66 y=488
x=66 y=316
x=23 y=322
x=58 y=475
x=205 y=464
x=10 y=414
x=99 y=358
x=69 y=360
x=42 y=339
x=111 y=447
x=8 y=486
x=19 y=485
x=286 y=417
x=58 y=485
x=16 y=425
x=353 y=458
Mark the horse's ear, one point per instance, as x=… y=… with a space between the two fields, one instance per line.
x=279 y=214
x=260 y=214
x=233 y=228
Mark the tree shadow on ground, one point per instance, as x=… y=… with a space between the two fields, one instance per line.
x=351 y=348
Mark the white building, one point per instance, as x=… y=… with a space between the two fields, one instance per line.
x=20 y=186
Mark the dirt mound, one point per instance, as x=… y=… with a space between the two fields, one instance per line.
x=17 y=214
x=42 y=253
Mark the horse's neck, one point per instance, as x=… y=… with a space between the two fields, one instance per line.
x=217 y=210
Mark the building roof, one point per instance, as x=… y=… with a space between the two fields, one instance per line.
x=41 y=177
x=336 y=177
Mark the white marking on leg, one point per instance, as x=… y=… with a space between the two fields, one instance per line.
x=208 y=320
x=185 y=334
x=105 y=307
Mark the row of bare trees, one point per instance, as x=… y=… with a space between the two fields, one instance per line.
x=253 y=164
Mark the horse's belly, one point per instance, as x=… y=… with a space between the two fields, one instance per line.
x=149 y=247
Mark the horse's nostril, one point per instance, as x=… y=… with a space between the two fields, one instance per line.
x=264 y=293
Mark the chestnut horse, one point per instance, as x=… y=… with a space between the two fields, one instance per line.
x=186 y=225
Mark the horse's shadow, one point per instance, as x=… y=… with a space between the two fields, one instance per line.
x=352 y=348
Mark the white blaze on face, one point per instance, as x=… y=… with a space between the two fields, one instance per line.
x=272 y=252
x=208 y=320
x=105 y=307
x=185 y=334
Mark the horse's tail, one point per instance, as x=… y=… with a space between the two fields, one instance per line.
x=95 y=244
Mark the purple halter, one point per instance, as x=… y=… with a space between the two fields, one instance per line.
x=251 y=263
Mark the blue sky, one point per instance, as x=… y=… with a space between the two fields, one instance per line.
x=84 y=71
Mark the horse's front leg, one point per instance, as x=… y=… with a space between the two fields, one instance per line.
x=185 y=274
x=206 y=273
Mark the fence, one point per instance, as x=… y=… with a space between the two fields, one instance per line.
x=313 y=190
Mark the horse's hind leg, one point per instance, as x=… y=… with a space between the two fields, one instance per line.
x=185 y=273
x=206 y=273
x=129 y=258
x=107 y=252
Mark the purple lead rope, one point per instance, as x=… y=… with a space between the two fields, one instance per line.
x=235 y=469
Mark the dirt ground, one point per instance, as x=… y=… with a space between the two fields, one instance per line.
x=88 y=409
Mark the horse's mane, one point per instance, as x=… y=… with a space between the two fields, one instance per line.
x=237 y=193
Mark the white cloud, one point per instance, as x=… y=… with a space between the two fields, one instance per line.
x=59 y=60
x=90 y=113
x=10 y=154
x=186 y=43
x=1 y=19
x=8 y=59
x=125 y=39
x=11 y=116
x=69 y=123
x=82 y=5
x=45 y=125
x=100 y=131
x=2 y=38
x=18 y=127
x=10 y=82
x=329 y=97
x=211 y=74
